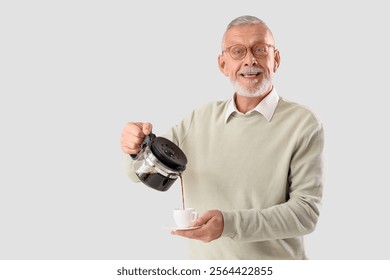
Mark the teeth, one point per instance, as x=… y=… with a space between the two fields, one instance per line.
x=250 y=74
x=251 y=71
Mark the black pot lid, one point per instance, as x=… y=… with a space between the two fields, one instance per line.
x=169 y=154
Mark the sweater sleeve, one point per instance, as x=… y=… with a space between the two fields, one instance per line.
x=299 y=214
x=129 y=168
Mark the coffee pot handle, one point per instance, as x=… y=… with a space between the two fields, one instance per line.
x=147 y=142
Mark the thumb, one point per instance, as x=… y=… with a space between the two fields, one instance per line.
x=147 y=128
x=202 y=219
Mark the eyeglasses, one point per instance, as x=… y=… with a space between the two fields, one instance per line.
x=239 y=51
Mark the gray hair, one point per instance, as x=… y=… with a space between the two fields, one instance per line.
x=242 y=20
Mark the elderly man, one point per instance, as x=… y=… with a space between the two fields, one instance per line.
x=254 y=161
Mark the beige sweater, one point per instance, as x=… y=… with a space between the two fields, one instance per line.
x=265 y=177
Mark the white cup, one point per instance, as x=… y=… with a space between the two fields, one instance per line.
x=184 y=217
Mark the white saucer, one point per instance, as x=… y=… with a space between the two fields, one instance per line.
x=173 y=227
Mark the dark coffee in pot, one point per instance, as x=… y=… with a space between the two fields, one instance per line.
x=156 y=181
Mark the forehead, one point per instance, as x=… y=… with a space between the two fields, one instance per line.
x=248 y=34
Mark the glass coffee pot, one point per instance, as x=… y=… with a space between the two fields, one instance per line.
x=159 y=163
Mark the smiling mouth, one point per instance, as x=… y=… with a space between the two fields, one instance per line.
x=250 y=75
x=250 y=72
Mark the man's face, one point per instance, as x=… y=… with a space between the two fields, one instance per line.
x=244 y=71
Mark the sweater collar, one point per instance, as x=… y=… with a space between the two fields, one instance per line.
x=266 y=107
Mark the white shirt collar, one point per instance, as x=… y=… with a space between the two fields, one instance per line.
x=266 y=107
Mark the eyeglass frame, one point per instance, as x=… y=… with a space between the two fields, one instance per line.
x=246 y=50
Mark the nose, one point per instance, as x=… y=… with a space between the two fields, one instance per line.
x=250 y=59
x=252 y=62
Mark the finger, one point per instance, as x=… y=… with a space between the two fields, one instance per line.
x=202 y=220
x=192 y=234
x=130 y=144
x=204 y=234
x=135 y=130
x=130 y=148
x=211 y=223
x=132 y=138
x=199 y=222
x=147 y=128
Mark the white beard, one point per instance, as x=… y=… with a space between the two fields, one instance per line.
x=256 y=92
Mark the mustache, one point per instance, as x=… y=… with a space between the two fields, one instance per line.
x=250 y=71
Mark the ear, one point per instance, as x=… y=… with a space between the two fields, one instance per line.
x=276 y=60
x=222 y=64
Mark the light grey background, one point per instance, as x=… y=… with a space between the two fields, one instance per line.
x=74 y=72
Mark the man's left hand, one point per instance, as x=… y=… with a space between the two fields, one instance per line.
x=211 y=227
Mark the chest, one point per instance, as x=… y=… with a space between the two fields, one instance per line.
x=238 y=165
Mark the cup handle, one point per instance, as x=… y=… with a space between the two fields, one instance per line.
x=194 y=216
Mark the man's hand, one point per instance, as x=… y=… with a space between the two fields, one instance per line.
x=211 y=227
x=132 y=136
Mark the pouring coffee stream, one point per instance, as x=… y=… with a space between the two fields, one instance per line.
x=159 y=163
x=182 y=192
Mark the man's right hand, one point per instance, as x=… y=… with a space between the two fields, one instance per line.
x=133 y=134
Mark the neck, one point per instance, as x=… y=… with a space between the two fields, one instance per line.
x=244 y=104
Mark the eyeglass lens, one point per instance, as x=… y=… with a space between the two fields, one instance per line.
x=239 y=51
